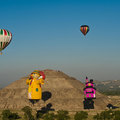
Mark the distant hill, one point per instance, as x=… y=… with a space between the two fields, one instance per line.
x=60 y=91
x=108 y=87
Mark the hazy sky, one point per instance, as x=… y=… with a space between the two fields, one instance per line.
x=46 y=35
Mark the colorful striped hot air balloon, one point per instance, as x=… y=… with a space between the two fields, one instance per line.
x=84 y=29
x=5 y=39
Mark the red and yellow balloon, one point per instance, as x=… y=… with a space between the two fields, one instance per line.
x=84 y=29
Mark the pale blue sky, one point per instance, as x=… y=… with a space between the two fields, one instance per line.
x=46 y=35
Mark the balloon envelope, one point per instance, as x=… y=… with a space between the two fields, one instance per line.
x=5 y=38
x=84 y=29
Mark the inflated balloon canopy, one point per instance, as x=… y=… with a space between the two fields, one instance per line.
x=5 y=38
x=84 y=29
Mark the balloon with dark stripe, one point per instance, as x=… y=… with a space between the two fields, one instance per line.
x=84 y=29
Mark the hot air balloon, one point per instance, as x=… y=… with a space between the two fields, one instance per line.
x=5 y=39
x=84 y=29
x=90 y=94
x=35 y=81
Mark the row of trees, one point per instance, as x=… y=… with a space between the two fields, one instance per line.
x=61 y=115
x=108 y=115
x=42 y=115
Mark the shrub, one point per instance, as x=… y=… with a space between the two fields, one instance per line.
x=14 y=116
x=39 y=114
x=27 y=109
x=116 y=115
x=5 y=114
x=81 y=115
x=28 y=113
x=97 y=117
x=8 y=115
x=49 y=116
x=62 y=115
x=105 y=115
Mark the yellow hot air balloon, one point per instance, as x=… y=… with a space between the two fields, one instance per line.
x=5 y=39
x=34 y=91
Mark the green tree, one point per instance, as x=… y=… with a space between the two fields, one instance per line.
x=62 y=115
x=104 y=115
x=116 y=115
x=27 y=109
x=28 y=113
x=49 y=116
x=8 y=115
x=14 y=116
x=81 y=115
x=97 y=117
x=39 y=115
